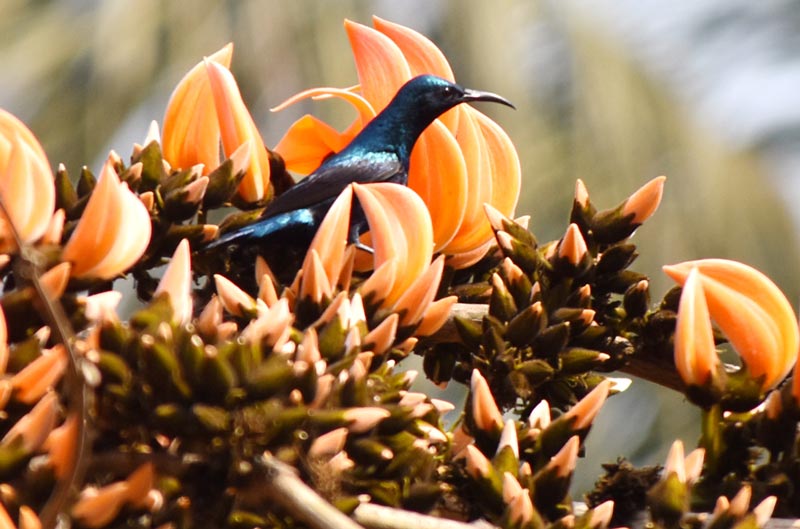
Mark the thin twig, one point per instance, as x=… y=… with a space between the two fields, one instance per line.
x=299 y=499
x=380 y=517
x=75 y=387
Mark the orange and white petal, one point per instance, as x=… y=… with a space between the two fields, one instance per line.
x=307 y=143
x=113 y=232
x=751 y=311
x=330 y=240
x=695 y=355
x=417 y=297
x=401 y=228
x=438 y=173
x=382 y=68
x=236 y=127
x=423 y=57
x=191 y=130
x=645 y=200
x=177 y=283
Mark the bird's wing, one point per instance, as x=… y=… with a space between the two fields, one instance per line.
x=327 y=182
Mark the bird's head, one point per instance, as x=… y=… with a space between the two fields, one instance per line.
x=431 y=96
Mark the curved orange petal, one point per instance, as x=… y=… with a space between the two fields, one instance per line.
x=473 y=148
x=191 y=131
x=387 y=239
x=365 y=110
x=131 y=239
x=382 y=68
x=26 y=182
x=177 y=283
x=330 y=240
x=645 y=200
x=309 y=140
x=423 y=57
x=307 y=143
x=236 y=127
x=695 y=355
x=506 y=171
x=10 y=125
x=752 y=312
x=401 y=228
x=416 y=299
x=99 y=225
x=467 y=259
x=438 y=173
x=496 y=174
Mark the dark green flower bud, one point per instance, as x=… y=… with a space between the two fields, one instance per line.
x=526 y=325
x=501 y=304
x=152 y=166
x=212 y=418
x=616 y=258
x=86 y=182
x=636 y=300
x=222 y=184
x=578 y=360
x=66 y=197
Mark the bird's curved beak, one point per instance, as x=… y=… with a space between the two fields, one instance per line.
x=477 y=95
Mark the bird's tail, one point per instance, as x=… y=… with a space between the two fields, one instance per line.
x=263 y=231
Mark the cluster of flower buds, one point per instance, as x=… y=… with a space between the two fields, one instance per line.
x=752 y=314
x=520 y=471
x=669 y=499
x=556 y=311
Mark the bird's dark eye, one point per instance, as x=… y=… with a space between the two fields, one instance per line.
x=448 y=90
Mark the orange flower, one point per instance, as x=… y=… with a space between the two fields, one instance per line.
x=404 y=280
x=26 y=184
x=460 y=162
x=237 y=128
x=206 y=107
x=113 y=232
x=191 y=129
x=695 y=355
x=751 y=311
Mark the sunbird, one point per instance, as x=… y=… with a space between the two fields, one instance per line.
x=381 y=152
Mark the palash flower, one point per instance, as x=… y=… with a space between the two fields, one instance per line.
x=206 y=107
x=113 y=232
x=404 y=280
x=695 y=354
x=26 y=184
x=191 y=130
x=750 y=310
x=459 y=163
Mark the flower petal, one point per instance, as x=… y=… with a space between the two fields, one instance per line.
x=752 y=312
x=331 y=237
x=401 y=228
x=191 y=130
x=695 y=355
x=26 y=182
x=113 y=232
x=237 y=127
x=423 y=57
x=177 y=283
x=438 y=173
x=382 y=68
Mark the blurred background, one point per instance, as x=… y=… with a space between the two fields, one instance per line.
x=614 y=92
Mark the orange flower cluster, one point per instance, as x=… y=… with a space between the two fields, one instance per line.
x=749 y=309
x=462 y=161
